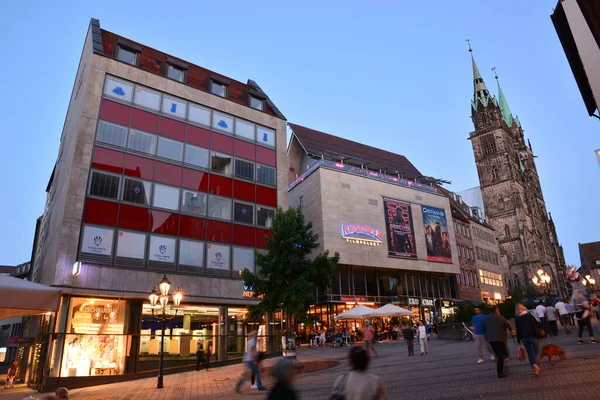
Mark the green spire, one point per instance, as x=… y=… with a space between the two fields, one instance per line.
x=503 y=104
x=481 y=94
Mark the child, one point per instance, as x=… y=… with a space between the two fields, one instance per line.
x=10 y=376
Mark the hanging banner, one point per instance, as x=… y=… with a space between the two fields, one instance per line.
x=437 y=238
x=399 y=227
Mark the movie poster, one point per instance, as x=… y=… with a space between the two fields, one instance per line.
x=399 y=226
x=437 y=238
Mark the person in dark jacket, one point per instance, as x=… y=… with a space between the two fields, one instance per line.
x=527 y=335
x=282 y=390
x=409 y=338
x=494 y=328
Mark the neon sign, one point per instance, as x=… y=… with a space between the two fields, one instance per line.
x=361 y=234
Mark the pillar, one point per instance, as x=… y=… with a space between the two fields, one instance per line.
x=269 y=331
x=187 y=321
x=222 y=348
x=239 y=348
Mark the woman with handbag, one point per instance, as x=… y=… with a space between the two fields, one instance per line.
x=528 y=332
x=357 y=384
x=583 y=315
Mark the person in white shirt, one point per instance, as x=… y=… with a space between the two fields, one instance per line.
x=251 y=360
x=541 y=312
x=423 y=338
x=563 y=315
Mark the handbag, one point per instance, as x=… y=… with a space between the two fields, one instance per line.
x=339 y=392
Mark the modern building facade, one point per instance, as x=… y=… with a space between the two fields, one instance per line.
x=394 y=232
x=164 y=167
x=511 y=190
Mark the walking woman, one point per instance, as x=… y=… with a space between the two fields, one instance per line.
x=583 y=315
x=527 y=335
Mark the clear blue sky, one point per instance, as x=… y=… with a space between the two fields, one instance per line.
x=395 y=75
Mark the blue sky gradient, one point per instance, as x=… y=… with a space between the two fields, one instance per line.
x=395 y=75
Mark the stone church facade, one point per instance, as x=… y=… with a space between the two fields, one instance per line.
x=511 y=191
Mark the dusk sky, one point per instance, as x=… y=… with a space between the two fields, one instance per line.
x=395 y=75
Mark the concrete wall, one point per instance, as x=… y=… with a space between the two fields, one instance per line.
x=481 y=264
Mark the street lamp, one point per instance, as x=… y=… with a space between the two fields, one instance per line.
x=542 y=279
x=161 y=298
x=589 y=282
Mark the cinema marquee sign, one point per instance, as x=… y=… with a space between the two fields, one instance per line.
x=361 y=234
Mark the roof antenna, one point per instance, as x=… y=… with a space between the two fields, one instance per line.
x=469 y=42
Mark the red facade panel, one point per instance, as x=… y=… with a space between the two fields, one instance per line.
x=108 y=160
x=219 y=232
x=244 y=235
x=165 y=223
x=261 y=243
x=115 y=112
x=100 y=212
x=244 y=149
x=197 y=136
x=194 y=228
x=195 y=180
x=144 y=121
x=172 y=129
x=266 y=196
x=221 y=143
x=167 y=173
x=220 y=185
x=244 y=191
x=136 y=218
x=139 y=167
x=266 y=156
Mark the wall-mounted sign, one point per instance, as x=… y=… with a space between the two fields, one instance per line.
x=427 y=302
x=413 y=302
x=446 y=303
x=399 y=227
x=361 y=234
x=353 y=298
x=249 y=294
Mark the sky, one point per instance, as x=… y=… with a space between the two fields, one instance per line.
x=395 y=75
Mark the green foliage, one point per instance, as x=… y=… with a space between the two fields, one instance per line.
x=287 y=275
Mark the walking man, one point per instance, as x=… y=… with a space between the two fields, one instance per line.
x=541 y=312
x=423 y=338
x=368 y=335
x=494 y=328
x=477 y=324
x=563 y=315
x=251 y=360
x=409 y=338
x=551 y=320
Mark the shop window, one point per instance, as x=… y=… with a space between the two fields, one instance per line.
x=104 y=185
x=170 y=149
x=265 y=175
x=191 y=253
x=112 y=134
x=136 y=191
x=219 y=207
x=244 y=169
x=142 y=142
x=221 y=163
x=196 y=156
x=95 y=344
x=264 y=216
x=243 y=212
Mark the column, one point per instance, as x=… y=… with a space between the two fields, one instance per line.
x=239 y=348
x=222 y=349
x=269 y=330
x=187 y=321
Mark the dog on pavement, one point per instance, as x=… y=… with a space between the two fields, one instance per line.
x=552 y=350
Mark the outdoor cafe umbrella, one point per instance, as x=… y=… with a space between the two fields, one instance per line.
x=20 y=297
x=358 y=312
x=390 y=310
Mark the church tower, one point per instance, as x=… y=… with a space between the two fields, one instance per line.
x=511 y=190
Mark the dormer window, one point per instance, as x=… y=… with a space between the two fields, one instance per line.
x=175 y=73
x=257 y=103
x=127 y=56
x=218 y=88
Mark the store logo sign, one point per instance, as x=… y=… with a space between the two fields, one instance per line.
x=118 y=90
x=361 y=234
x=222 y=124
x=218 y=256
x=413 y=302
x=98 y=240
x=162 y=248
x=427 y=302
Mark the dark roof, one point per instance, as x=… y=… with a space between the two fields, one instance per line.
x=589 y=254
x=323 y=145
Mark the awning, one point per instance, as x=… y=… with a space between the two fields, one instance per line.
x=20 y=297
x=390 y=310
x=357 y=312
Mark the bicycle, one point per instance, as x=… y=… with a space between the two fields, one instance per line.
x=466 y=333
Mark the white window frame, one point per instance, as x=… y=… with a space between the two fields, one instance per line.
x=262 y=103
x=222 y=85
x=89 y=188
x=128 y=50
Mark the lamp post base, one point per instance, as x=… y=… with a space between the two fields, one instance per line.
x=159 y=384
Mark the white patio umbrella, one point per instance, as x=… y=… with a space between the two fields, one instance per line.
x=358 y=312
x=390 y=310
x=20 y=297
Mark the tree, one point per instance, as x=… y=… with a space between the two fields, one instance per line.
x=289 y=272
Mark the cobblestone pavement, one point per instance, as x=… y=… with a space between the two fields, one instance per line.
x=449 y=371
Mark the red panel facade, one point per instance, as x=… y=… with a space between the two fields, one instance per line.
x=244 y=149
x=167 y=173
x=266 y=196
x=108 y=160
x=100 y=212
x=144 y=121
x=195 y=180
x=131 y=217
x=244 y=191
x=197 y=136
x=221 y=143
x=139 y=167
x=114 y=112
x=165 y=223
x=194 y=228
x=266 y=156
x=172 y=129
x=220 y=185
x=244 y=235
x=219 y=231
x=260 y=237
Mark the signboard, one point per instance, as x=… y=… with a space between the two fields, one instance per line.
x=162 y=249
x=361 y=234
x=437 y=236
x=97 y=241
x=217 y=256
x=353 y=298
x=413 y=301
x=288 y=345
x=427 y=302
x=399 y=228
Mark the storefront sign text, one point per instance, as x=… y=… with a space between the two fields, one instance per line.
x=249 y=294
x=446 y=303
x=413 y=302
x=354 y=298
x=427 y=302
x=361 y=234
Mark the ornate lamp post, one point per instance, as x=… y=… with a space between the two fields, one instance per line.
x=542 y=279
x=161 y=298
x=589 y=283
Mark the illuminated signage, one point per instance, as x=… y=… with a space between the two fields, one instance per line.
x=427 y=302
x=413 y=302
x=248 y=294
x=361 y=234
x=354 y=298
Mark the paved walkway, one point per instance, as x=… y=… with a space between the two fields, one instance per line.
x=449 y=371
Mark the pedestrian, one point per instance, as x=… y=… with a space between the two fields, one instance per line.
x=571 y=311
x=551 y=320
x=583 y=316
x=10 y=376
x=368 y=335
x=251 y=361
x=62 y=393
x=477 y=323
x=423 y=338
x=409 y=338
x=495 y=327
x=358 y=384
x=282 y=390
x=541 y=312
x=563 y=315
x=527 y=335
x=199 y=356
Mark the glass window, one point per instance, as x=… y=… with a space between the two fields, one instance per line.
x=174 y=107
x=265 y=175
x=142 y=142
x=218 y=88
x=175 y=73
x=264 y=216
x=244 y=129
x=171 y=149
x=257 y=103
x=265 y=136
x=97 y=240
x=127 y=56
x=118 y=89
x=243 y=212
x=244 y=169
x=146 y=98
x=219 y=207
x=104 y=185
x=131 y=245
x=108 y=133
x=191 y=253
x=166 y=197
x=221 y=163
x=196 y=156
x=193 y=202
x=162 y=249
x=198 y=114
x=217 y=256
x=222 y=122
x=243 y=258
x=137 y=191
